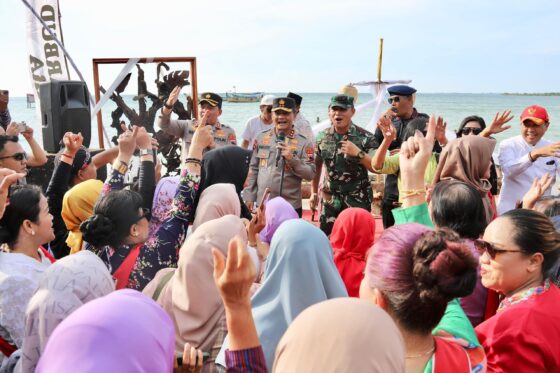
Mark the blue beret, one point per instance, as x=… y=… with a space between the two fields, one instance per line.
x=401 y=90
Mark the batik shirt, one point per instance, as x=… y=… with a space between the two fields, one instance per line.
x=162 y=248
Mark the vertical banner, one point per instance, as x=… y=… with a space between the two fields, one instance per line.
x=46 y=60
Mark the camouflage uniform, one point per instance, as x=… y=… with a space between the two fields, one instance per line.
x=265 y=174
x=223 y=135
x=346 y=183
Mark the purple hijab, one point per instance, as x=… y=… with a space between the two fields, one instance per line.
x=278 y=210
x=123 y=332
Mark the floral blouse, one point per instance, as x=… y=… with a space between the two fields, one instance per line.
x=162 y=248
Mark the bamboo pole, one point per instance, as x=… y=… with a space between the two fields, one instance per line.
x=380 y=60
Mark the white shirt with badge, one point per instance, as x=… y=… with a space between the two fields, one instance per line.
x=519 y=171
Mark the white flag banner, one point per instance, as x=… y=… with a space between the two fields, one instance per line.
x=47 y=60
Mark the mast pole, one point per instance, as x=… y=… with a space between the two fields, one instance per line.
x=380 y=60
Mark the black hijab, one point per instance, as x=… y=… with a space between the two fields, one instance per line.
x=228 y=164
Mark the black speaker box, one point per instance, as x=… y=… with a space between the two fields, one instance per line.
x=64 y=108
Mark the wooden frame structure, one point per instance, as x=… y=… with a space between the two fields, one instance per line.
x=114 y=61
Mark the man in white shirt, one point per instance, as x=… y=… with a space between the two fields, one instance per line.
x=258 y=124
x=526 y=157
x=301 y=124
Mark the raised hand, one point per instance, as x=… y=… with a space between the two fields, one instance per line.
x=234 y=276
x=387 y=128
x=174 y=96
x=72 y=142
x=414 y=156
x=498 y=124
x=538 y=188
x=256 y=225
x=441 y=126
x=28 y=133
x=9 y=177
x=202 y=138
x=12 y=129
x=127 y=143
x=143 y=139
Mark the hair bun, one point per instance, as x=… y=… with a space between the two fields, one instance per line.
x=98 y=230
x=443 y=266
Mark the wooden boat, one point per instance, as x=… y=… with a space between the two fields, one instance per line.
x=243 y=97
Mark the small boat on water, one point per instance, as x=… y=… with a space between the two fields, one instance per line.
x=233 y=96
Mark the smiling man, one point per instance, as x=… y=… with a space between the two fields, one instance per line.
x=526 y=157
x=280 y=147
x=346 y=150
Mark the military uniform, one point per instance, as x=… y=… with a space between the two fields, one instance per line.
x=265 y=174
x=223 y=135
x=346 y=182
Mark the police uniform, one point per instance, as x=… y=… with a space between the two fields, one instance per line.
x=346 y=182
x=223 y=135
x=265 y=173
x=391 y=192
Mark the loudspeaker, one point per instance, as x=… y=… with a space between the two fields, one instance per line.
x=64 y=108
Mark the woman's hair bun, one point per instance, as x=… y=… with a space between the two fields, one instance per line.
x=444 y=267
x=98 y=230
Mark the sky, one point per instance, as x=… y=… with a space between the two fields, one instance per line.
x=310 y=45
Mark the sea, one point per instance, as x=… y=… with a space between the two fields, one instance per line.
x=453 y=107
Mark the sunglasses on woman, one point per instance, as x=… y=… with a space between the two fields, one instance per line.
x=486 y=247
x=18 y=156
x=468 y=130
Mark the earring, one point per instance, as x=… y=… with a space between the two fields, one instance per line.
x=135 y=234
x=33 y=233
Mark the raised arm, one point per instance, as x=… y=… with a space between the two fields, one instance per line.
x=168 y=125
x=498 y=124
x=389 y=133
x=146 y=177
x=127 y=145
x=38 y=156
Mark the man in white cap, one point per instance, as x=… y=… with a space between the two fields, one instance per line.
x=258 y=124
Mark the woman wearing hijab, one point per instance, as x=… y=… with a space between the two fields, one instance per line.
x=216 y=201
x=367 y=341
x=65 y=286
x=189 y=295
x=163 y=201
x=278 y=210
x=122 y=332
x=351 y=238
x=299 y=272
x=468 y=159
x=228 y=164
x=77 y=206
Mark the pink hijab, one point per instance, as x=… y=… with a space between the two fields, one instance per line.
x=216 y=201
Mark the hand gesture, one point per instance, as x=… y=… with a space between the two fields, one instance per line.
x=173 y=96
x=498 y=124
x=415 y=154
x=257 y=224
x=313 y=201
x=235 y=276
x=440 y=131
x=537 y=190
x=72 y=142
x=143 y=139
x=387 y=128
x=127 y=142
x=202 y=137
x=28 y=133
x=286 y=151
x=551 y=150
x=192 y=361
x=12 y=129
x=349 y=148
x=9 y=177
x=202 y=119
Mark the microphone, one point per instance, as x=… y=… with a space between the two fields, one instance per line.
x=281 y=137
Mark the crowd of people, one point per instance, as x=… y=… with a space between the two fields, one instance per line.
x=215 y=270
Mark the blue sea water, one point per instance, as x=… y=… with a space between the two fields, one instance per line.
x=452 y=106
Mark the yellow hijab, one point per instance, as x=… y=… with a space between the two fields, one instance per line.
x=77 y=206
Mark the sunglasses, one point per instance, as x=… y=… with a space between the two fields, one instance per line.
x=18 y=156
x=486 y=247
x=146 y=213
x=394 y=99
x=468 y=130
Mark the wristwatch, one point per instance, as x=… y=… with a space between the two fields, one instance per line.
x=145 y=152
x=361 y=154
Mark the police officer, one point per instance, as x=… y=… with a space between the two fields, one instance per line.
x=346 y=150
x=210 y=108
x=402 y=111
x=271 y=154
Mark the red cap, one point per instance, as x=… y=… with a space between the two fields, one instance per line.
x=536 y=114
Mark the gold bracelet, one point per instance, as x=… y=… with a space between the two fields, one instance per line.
x=411 y=193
